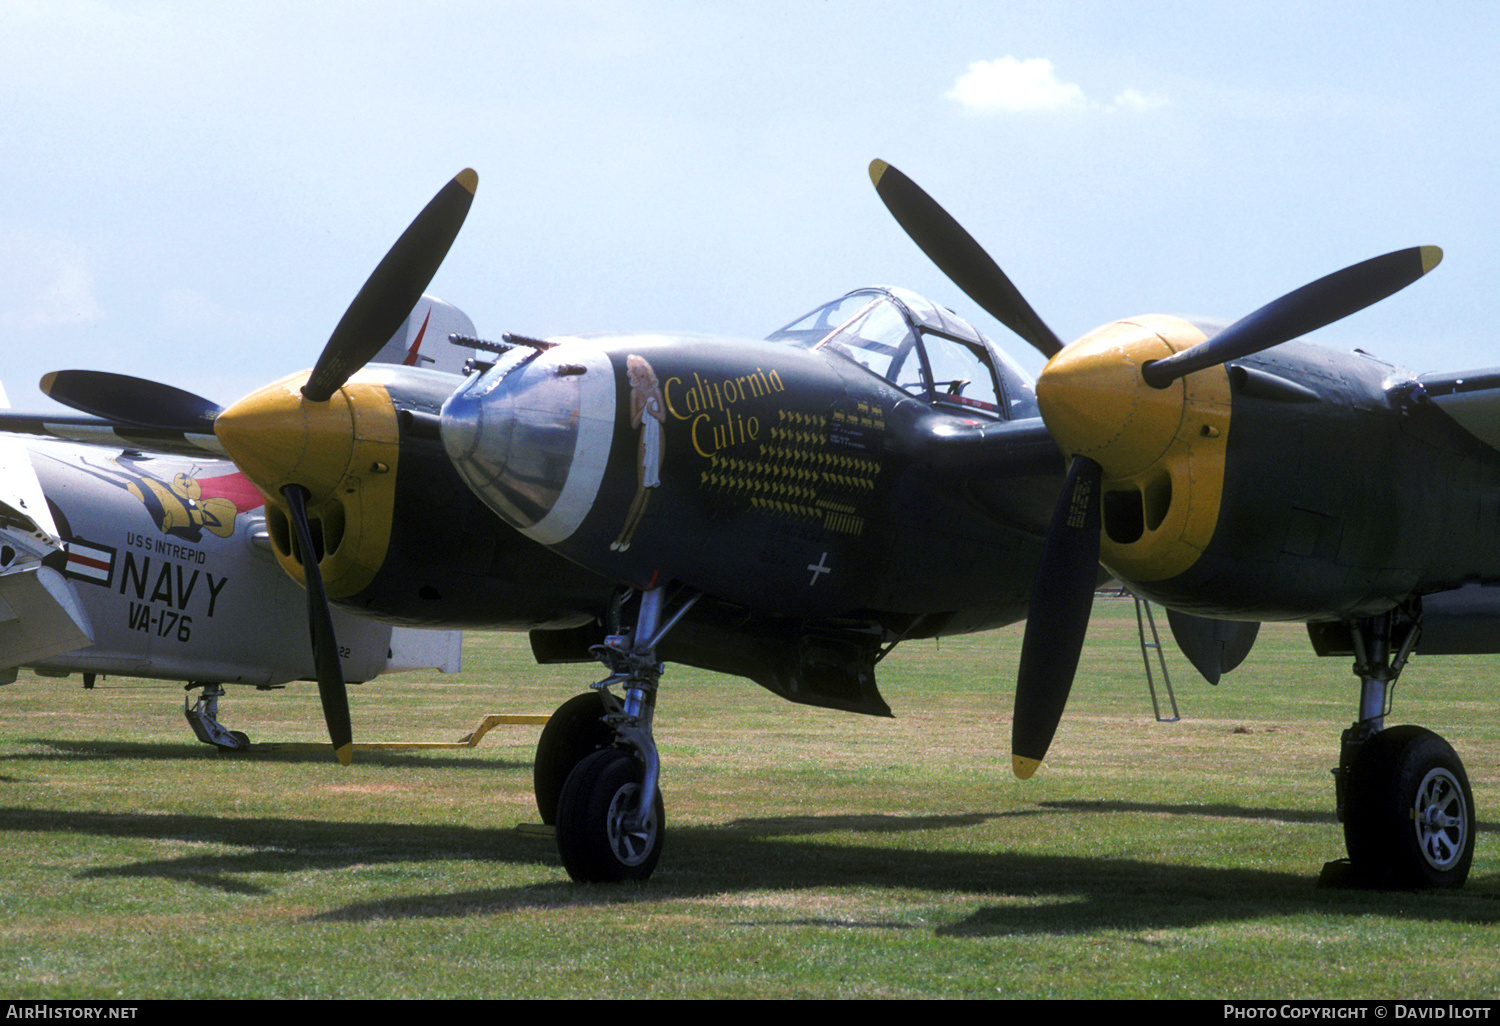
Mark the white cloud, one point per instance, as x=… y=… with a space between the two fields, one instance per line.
x=1012 y=85
x=1009 y=85
x=1134 y=99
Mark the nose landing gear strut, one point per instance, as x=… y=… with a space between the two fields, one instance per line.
x=609 y=817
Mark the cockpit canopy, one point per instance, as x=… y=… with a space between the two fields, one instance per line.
x=921 y=348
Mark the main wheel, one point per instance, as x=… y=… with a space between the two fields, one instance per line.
x=1409 y=812
x=241 y=742
x=597 y=833
x=576 y=731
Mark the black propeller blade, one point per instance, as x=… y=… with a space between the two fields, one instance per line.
x=137 y=402
x=1061 y=600
x=1298 y=312
x=389 y=294
x=385 y=300
x=331 y=690
x=958 y=256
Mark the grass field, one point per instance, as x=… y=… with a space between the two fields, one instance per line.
x=809 y=853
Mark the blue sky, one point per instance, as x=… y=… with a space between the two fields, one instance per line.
x=194 y=192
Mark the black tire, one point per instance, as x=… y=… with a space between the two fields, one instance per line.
x=600 y=793
x=576 y=731
x=239 y=742
x=1409 y=812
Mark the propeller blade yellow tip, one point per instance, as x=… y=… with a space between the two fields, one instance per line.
x=877 y=168
x=468 y=178
x=345 y=754
x=1431 y=257
x=1023 y=767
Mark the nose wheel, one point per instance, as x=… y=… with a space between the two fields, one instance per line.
x=608 y=813
x=605 y=833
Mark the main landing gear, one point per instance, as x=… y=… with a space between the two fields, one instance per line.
x=1403 y=796
x=203 y=717
x=597 y=768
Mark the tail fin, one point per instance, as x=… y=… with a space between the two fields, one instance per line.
x=422 y=340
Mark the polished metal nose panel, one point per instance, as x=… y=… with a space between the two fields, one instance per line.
x=531 y=436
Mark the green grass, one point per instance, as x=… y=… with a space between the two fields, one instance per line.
x=809 y=853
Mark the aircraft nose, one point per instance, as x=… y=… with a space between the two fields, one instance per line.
x=531 y=436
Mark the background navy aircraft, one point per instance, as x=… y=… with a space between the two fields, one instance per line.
x=786 y=509
x=131 y=551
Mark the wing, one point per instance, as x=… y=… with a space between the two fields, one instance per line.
x=1472 y=398
x=111 y=435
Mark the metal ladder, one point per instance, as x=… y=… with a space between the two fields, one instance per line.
x=1144 y=619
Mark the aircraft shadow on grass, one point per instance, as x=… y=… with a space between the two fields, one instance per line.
x=1075 y=894
x=189 y=752
x=1224 y=810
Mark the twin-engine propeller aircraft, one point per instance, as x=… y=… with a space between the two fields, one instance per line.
x=135 y=551
x=786 y=509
